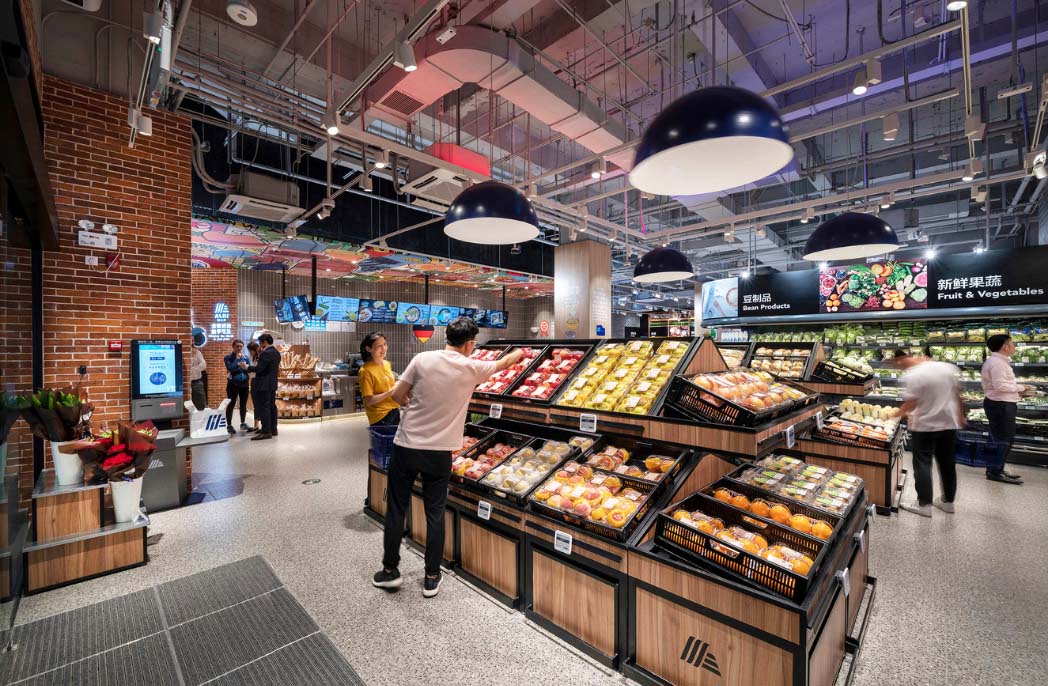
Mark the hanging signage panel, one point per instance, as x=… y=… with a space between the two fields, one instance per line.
x=990 y=279
x=874 y=287
x=779 y=294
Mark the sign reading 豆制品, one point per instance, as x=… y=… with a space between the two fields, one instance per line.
x=989 y=279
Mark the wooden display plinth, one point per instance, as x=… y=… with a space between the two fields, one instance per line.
x=489 y=551
x=71 y=541
x=579 y=596
x=881 y=469
x=850 y=389
x=690 y=626
x=375 y=503
x=417 y=529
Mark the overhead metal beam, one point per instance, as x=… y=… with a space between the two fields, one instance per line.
x=287 y=39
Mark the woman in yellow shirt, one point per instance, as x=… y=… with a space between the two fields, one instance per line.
x=376 y=381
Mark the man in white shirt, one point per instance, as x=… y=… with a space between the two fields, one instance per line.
x=931 y=393
x=197 y=383
x=1001 y=396
x=434 y=391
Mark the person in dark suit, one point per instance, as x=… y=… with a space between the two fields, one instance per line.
x=265 y=386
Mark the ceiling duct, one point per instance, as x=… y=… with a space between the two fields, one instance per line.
x=262 y=197
x=499 y=64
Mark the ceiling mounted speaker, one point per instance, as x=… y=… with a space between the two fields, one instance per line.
x=850 y=236
x=242 y=12
x=491 y=213
x=711 y=140
x=662 y=264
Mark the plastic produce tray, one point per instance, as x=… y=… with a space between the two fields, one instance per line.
x=639 y=449
x=836 y=436
x=516 y=440
x=795 y=506
x=522 y=498
x=836 y=373
x=546 y=354
x=527 y=370
x=697 y=403
x=702 y=548
x=622 y=534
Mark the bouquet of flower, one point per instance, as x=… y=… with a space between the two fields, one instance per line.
x=56 y=415
x=117 y=454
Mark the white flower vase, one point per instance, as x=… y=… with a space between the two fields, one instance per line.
x=69 y=470
x=127 y=497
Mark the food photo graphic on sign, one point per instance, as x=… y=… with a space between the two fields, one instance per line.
x=876 y=287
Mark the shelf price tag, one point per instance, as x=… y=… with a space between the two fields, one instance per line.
x=861 y=538
x=588 y=422
x=818 y=420
x=562 y=542
x=845 y=579
x=791 y=436
x=484 y=510
x=495 y=411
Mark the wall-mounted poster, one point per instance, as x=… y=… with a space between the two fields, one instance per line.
x=875 y=287
x=720 y=298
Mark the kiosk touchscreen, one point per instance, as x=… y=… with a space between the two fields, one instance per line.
x=156 y=379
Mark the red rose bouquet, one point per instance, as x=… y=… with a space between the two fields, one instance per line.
x=119 y=453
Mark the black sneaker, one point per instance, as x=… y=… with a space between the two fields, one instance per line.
x=1011 y=475
x=388 y=580
x=431 y=585
x=261 y=437
x=1004 y=478
x=244 y=427
x=232 y=431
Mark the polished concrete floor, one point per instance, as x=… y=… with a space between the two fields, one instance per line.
x=961 y=600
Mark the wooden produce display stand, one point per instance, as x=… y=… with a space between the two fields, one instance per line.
x=71 y=539
x=375 y=501
x=299 y=390
x=880 y=467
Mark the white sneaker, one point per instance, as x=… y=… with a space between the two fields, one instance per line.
x=943 y=505
x=916 y=508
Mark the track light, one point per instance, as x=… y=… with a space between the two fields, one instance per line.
x=887 y=201
x=515 y=250
x=956 y=5
x=139 y=122
x=404 y=57
x=152 y=26
x=365 y=182
x=330 y=123
x=890 y=124
x=600 y=168
x=745 y=274
x=383 y=160
x=930 y=253
x=326 y=205
x=869 y=75
x=978 y=248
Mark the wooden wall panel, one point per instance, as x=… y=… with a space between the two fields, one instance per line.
x=67 y=514
x=729 y=657
x=828 y=654
x=377 y=491
x=582 y=289
x=490 y=557
x=418 y=526
x=577 y=602
x=72 y=561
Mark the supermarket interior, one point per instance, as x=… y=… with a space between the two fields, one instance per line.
x=352 y=342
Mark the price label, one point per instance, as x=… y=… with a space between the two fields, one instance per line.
x=562 y=542
x=861 y=538
x=818 y=420
x=588 y=422
x=845 y=579
x=495 y=411
x=484 y=510
x=791 y=436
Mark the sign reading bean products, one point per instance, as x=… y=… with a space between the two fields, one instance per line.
x=892 y=287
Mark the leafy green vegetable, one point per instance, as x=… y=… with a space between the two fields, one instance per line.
x=919 y=295
x=863 y=283
x=853 y=300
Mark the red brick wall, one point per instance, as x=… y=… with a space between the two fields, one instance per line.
x=16 y=355
x=145 y=191
x=212 y=286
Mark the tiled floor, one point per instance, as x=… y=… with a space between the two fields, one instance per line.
x=961 y=599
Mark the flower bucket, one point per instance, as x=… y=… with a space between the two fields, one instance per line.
x=69 y=470
x=127 y=498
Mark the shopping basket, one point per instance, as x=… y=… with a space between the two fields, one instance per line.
x=978 y=453
x=381 y=444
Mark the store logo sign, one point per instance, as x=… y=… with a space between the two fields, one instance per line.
x=697 y=654
x=221 y=328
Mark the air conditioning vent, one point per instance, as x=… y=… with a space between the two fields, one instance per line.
x=259 y=209
x=402 y=103
x=439 y=185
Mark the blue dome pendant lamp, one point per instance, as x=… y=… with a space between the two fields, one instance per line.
x=850 y=236
x=491 y=213
x=710 y=140
x=661 y=265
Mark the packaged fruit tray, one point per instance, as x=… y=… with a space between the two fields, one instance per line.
x=475 y=463
x=832 y=372
x=472 y=434
x=626 y=377
x=702 y=404
x=551 y=370
x=488 y=353
x=637 y=459
x=499 y=383
x=712 y=533
x=760 y=506
x=519 y=474
x=599 y=502
x=791 y=360
x=851 y=432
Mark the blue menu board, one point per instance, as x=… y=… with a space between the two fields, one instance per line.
x=478 y=315
x=377 y=312
x=497 y=319
x=293 y=309
x=332 y=308
x=442 y=315
x=412 y=313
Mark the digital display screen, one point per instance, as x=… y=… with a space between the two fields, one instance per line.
x=477 y=314
x=332 y=308
x=412 y=313
x=377 y=312
x=498 y=319
x=156 y=369
x=293 y=309
x=442 y=315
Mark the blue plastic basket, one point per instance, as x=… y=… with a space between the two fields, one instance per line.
x=381 y=444
x=983 y=453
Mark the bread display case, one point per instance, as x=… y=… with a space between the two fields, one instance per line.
x=733 y=353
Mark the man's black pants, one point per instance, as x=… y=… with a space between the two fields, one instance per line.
x=236 y=394
x=940 y=445
x=1000 y=416
x=404 y=465
x=265 y=409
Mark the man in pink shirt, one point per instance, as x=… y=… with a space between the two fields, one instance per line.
x=434 y=391
x=1002 y=394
